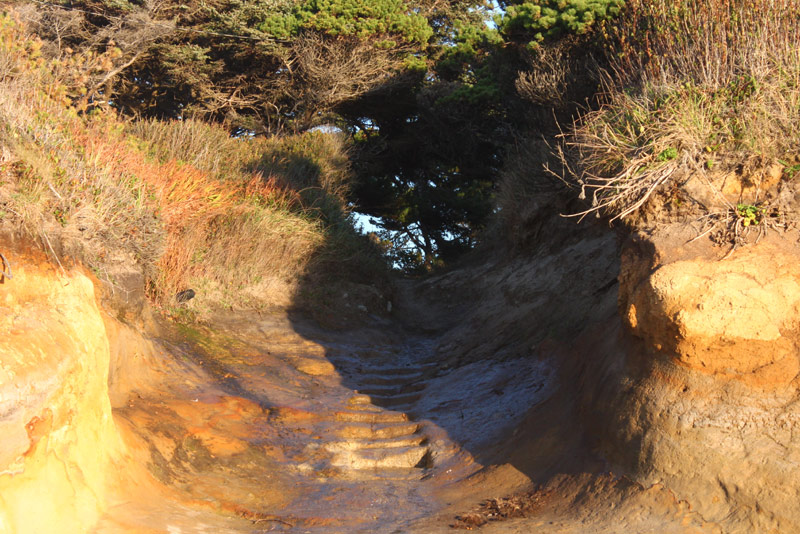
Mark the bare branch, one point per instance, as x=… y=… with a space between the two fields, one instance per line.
x=337 y=70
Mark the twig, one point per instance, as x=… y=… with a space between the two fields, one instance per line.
x=701 y=235
x=256 y=517
x=762 y=229
x=47 y=240
x=726 y=256
x=271 y=519
x=110 y=74
x=52 y=189
x=6 y=265
x=630 y=191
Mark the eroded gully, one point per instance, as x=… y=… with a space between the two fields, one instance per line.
x=254 y=427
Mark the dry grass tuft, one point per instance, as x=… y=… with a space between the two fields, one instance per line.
x=222 y=235
x=50 y=190
x=208 y=147
x=692 y=88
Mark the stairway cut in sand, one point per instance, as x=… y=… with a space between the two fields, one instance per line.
x=375 y=439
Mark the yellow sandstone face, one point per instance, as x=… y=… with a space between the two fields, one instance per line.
x=734 y=317
x=59 y=439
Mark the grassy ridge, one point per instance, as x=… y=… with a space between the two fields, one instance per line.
x=697 y=118
x=241 y=221
x=692 y=88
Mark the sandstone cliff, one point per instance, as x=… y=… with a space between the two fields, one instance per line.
x=59 y=439
x=684 y=377
x=704 y=398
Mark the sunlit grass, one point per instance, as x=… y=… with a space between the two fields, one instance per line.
x=192 y=206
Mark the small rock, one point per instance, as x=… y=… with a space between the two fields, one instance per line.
x=185 y=295
x=314 y=367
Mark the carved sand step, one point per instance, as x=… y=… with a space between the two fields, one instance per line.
x=376 y=442
x=394 y=372
x=391 y=389
x=357 y=444
x=396 y=400
x=362 y=403
x=359 y=400
x=382 y=416
x=366 y=408
x=392 y=458
x=418 y=367
x=373 y=431
x=382 y=380
x=397 y=474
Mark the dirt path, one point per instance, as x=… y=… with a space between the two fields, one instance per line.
x=253 y=427
x=281 y=431
x=473 y=407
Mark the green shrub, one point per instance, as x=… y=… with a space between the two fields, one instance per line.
x=546 y=19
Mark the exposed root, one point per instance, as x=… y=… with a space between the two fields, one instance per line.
x=6 y=270
x=258 y=517
x=742 y=225
x=626 y=192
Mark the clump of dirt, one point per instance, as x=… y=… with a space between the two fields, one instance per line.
x=714 y=312
x=732 y=206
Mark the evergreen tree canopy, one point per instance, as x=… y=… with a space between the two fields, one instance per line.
x=426 y=89
x=539 y=20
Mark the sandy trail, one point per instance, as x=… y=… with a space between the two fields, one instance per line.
x=267 y=423
x=253 y=427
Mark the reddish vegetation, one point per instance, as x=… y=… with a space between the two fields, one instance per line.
x=188 y=199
